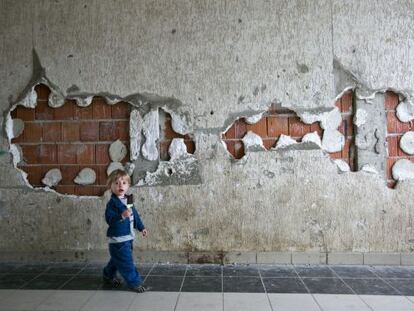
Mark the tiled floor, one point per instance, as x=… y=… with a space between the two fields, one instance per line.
x=209 y=287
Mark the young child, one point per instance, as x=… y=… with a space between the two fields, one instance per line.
x=122 y=218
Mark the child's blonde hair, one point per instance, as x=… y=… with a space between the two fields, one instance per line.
x=117 y=174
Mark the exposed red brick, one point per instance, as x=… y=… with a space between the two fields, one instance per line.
x=403 y=127
x=342 y=127
x=259 y=128
x=26 y=114
x=48 y=154
x=338 y=104
x=19 y=139
x=34 y=174
x=241 y=128
x=52 y=132
x=336 y=155
x=392 y=122
x=31 y=154
x=269 y=143
x=88 y=190
x=42 y=92
x=296 y=127
x=230 y=147
x=306 y=128
x=239 y=149
x=70 y=132
x=101 y=175
x=89 y=131
x=277 y=126
x=83 y=113
x=316 y=127
x=107 y=131
x=67 y=153
x=65 y=189
x=392 y=146
x=86 y=154
x=346 y=150
x=346 y=101
x=349 y=126
x=101 y=110
x=32 y=132
x=69 y=173
x=391 y=100
x=190 y=146
x=66 y=112
x=169 y=132
x=164 y=145
x=390 y=163
x=43 y=111
x=120 y=110
x=231 y=132
x=102 y=154
x=122 y=128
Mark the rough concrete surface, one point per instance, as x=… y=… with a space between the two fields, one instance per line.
x=208 y=63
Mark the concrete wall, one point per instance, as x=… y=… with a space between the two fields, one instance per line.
x=210 y=63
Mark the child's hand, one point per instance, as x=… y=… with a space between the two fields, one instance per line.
x=126 y=213
x=144 y=232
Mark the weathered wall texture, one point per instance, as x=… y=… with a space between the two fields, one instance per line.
x=208 y=64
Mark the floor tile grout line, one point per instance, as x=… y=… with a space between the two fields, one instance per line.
x=384 y=280
x=313 y=297
x=149 y=272
x=412 y=301
x=75 y=275
x=90 y=297
x=267 y=295
x=36 y=277
x=179 y=292
x=353 y=291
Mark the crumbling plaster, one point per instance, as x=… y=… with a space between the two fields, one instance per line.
x=215 y=61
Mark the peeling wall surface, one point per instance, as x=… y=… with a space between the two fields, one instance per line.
x=208 y=64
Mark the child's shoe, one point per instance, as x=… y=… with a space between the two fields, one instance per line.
x=112 y=282
x=139 y=288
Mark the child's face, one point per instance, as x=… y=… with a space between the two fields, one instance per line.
x=120 y=186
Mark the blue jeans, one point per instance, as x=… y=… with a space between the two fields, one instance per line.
x=122 y=260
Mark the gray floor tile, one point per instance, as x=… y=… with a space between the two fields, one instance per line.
x=370 y=287
x=293 y=302
x=388 y=303
x=154 y=301
x=340 y=302
x=246 y=302
x=66 y=300
x=326 y=286
x=200 y=302
x=284 y=285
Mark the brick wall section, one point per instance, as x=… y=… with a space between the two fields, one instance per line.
x=395 y=130
x=345 y=105
x=70 y=138
x=279 y=121
x=168 y=134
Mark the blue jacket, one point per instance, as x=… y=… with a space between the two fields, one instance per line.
x=117 y=225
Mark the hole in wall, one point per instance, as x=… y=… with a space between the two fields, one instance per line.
x=395 y=130
x=168 y=134
x=277 y=121
x=70 y=138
